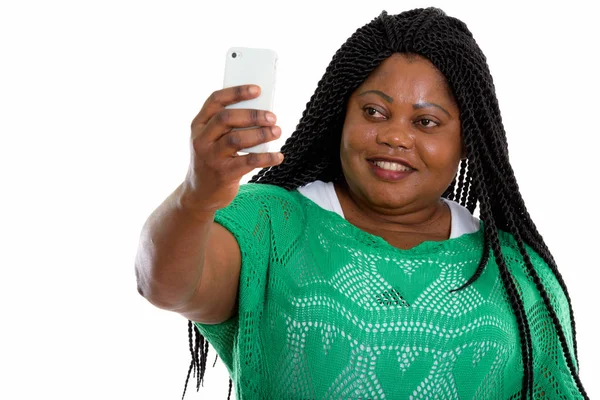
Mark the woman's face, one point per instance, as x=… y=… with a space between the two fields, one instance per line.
x=404 y=112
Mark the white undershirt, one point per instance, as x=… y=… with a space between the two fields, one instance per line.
x=324 y=195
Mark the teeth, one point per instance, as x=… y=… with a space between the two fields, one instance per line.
x=391 y=166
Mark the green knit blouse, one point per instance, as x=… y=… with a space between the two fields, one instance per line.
x=329 y=311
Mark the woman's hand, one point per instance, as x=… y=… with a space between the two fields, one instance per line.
x=215 y=171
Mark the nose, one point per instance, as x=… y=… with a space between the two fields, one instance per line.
x=396 y=137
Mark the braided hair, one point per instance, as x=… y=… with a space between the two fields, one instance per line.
x=485 y=176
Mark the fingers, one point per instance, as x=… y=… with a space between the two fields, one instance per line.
x=226 y=120
x=218 y=133
x=234 y=141
x=222 y=98
x=242 y=165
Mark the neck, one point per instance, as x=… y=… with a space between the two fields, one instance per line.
x=432 y=218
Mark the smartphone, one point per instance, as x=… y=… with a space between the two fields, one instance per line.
x=244 y=66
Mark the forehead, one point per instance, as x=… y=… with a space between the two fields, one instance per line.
x=402 y=72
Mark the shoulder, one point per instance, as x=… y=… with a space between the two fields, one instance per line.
x=512 y=253
x=551 y=281
x=262 y=195
x=259 y=201
x=547 y=274
x=516 y=263
x=510 y=249
x=258 y=190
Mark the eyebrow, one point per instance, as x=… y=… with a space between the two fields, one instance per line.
x=417 y=106
x=380 y=94
x=425 y=105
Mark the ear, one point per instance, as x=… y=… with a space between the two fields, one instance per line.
x=463 y=153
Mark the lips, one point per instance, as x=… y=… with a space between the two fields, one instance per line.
x=381 y=171
x=389 y=166
x=391 y=160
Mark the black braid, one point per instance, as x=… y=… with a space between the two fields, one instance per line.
x=519 y=217
x=508 y=185
x=534 y=239
x=193 y=363
x=544 y=294
x=199 y=353
x=513 y=296
x=513 y=227
x=485 y=177
x=449 y=193
x=461 y=180
x=466 y=189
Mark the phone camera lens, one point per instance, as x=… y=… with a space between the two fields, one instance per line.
x=233 y=55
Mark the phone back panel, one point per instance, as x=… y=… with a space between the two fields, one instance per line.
x=252 y=66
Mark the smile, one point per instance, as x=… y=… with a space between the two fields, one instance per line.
x=391 y=166
x=389 y=171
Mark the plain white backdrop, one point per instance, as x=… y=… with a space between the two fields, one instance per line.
x=96 y=99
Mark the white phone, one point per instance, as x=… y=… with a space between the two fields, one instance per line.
x=245 y=66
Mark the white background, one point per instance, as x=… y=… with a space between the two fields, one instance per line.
x=96 y=99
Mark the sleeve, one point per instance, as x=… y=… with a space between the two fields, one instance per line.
x=248 y=218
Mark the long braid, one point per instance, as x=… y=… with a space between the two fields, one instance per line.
x=533 y=238
x=491 y=240
x=193 y=363
x=461 y=180
x=544 y=294
x=513 y=296
x=513 y=228
x=466 y=190
x=504 y=187
x=449 y=193
x=485 y=176
x=516 y=211
x=507 y=278
x=471 y=147
x=199 y=352
x=475 y=144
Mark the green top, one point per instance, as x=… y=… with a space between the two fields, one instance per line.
x=327 y=310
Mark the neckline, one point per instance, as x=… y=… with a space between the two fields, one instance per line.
x=426 y=246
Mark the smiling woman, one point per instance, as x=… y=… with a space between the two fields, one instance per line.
x=352 y=266
x=400 y=151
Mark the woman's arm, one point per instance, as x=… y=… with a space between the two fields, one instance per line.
x=187 y=263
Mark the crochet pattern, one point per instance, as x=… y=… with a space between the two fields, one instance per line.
x=327 y=310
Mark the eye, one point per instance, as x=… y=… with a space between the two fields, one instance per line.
x=373 y=113
x=427 y=123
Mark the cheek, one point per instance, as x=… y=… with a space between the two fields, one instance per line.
x=356 y=141
x=441 y=154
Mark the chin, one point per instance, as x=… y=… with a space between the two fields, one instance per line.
x=387 y=198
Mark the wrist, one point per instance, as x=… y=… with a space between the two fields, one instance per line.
x=189 y=202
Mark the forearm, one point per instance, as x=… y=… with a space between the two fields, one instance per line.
x=171 y=251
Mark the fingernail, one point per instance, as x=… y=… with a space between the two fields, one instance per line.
x=271 y=117
x=253 y=90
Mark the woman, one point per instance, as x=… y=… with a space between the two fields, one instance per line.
x=354 y=267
